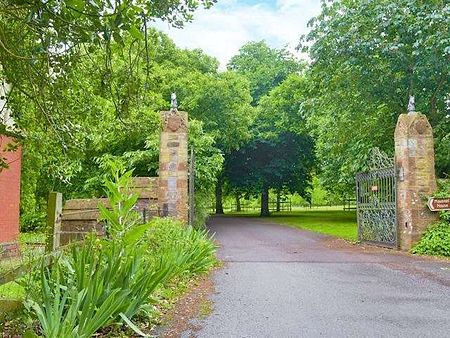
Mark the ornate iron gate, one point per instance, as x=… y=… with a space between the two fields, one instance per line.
x=376 y=202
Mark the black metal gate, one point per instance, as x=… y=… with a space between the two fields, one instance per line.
x=376 y=204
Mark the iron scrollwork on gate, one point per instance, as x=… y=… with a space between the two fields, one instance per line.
x=376 y=201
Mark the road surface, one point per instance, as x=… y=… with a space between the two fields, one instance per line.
x=283 y=282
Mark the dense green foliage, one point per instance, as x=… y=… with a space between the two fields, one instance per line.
x=265 y=67
x=436 y=240
x=85 y=83
x=102 y=281
x=282 y=163
x=112 y=114
x=279 y=154
x=92 y=93
x=367 y=58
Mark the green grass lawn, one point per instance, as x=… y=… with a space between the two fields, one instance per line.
x=336 y=223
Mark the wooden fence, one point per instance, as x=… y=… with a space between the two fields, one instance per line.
x=80 y=217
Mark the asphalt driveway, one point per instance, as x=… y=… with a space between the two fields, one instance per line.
x=283 y=282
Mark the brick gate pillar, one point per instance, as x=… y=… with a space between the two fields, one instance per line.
x=416 y=180
x=9 y=198
x=173 y=165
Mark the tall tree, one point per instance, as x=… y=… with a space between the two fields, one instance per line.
x=367 y=59
x=118 y=119
x=263 y=66
x=223 y=103
x=282 y=163
x=282 y=109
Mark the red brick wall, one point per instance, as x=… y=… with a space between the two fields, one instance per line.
x=9 y=193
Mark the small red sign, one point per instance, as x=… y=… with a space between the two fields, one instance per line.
x=439 y=204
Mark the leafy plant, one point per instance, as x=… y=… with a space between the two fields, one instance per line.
x=95 y=285
x=32 y=221
x=109 y=280
x=365 y=64
x=443 y=189
x=120 y=215
x=171 y=237
x=436 y=240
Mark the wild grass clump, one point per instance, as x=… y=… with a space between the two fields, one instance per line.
x=167 y=235
x=105 y=281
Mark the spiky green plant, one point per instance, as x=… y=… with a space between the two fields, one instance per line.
x=94 y=285
x=105 y=280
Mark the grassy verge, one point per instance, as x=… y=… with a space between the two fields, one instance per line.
x=340 y=224
x=189 y=253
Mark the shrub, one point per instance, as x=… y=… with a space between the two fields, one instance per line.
x=170 y=236
x=436 y=240
x=32 y=221
x=95 y=284
x=101 y=281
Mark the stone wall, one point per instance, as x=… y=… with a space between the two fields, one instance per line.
x=81 y=216
x=9 y=198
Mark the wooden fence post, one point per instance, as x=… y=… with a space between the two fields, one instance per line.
x=54 y=212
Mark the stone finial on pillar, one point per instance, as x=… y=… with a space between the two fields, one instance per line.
x=416 y=178
x=173 y=165
x=411 y=105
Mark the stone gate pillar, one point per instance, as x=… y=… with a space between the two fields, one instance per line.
x=416 y=180
x=173 y=165
x=9 y=198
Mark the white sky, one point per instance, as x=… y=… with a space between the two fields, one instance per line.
x=223 y=29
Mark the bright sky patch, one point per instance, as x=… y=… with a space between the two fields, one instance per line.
x=223 y=29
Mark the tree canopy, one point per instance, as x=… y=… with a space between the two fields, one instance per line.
x=85 y=82
x=367 y=59
x=263 y=66
x=279 y=153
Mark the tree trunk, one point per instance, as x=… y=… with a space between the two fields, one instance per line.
x=265 y=202
x=278 y=201
x=238 y=202
x=219 y=205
